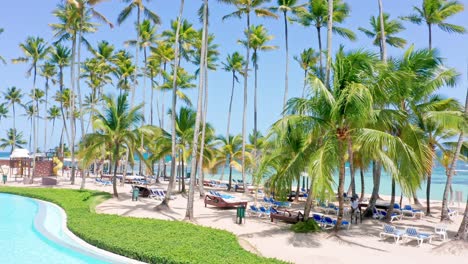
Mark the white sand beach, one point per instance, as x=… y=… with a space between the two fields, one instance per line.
x=359 y=244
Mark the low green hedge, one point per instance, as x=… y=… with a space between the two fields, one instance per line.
x=147 y=240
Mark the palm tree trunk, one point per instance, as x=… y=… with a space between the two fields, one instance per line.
x=182 y=171
x=376 y=173
x=230 y=175
x=392 y=201
x=351 y=167
x=244 y=114
x=137 y=49
x=230 y=104
x=152 y=96
x=14 y=124
x=35 y=119
x=189 y=212
x=116 y=163
x=429 y=27
x=319 y=37
x=450 y=172
x=361 y=171
x=72 y=110
x=305 y=84
x=80 y=106
x=341 y=179
x=383 y=40
x=174 y=103
x=329 y=43
x=309 y=201
x=205 y=112
x=45 y=113
x=287 y=60
x=255 y=133
x=429 y=178
x=463 y=230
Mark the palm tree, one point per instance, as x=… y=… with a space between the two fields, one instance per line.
x=37 y=96
x=285 y=6
x=392 y=27
x=35 y=50
x=1 y=58
x=329 y=42
x=184 y=81
x=307 y=61
x=245 y=8
x=258 y=37
x=230 y=153
x=13 y=96
x=451 y=171
x=13 y=140
x=60 y=56
x=234 y=64
x=30 y=113
x=52 y=114
x=124 y=70
x=436 y=12
x=187 y=37
x=316 y=16
x=175 y=69
x=48 y=71
x=115 y=129
x=3 y=111
x=150 y=17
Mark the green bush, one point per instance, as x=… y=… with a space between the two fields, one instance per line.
x=147 y=240
x=305 y=227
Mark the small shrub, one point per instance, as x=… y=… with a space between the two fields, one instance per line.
x=305 y=227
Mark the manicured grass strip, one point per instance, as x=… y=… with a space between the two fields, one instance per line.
x=147 y=240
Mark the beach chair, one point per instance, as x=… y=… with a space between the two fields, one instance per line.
x=378 y=213
x=332 y=208
x=318 y=218
x=452 y=213
x=103 y=182
x=413 y=234
x=264 y=212
x=391 y=231
x=409 y=211
x=441 y=232
x=327 y=223
x=344 y=223
x=253 y=211
x=397 y=208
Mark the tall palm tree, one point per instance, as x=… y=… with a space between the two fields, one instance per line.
x=436 y=12
x=329 y=42
x=61 y=56
x=124 y=71
x=150 y=16
x=48 y=71
x=307 y=61
x=30 y=113
x=285 y=6
x=35 y=50
x=13 y=96
x=392 y=27
x=245 y=8
x=188 y=36
x=383 y=35
x=316 y=15
x=13 y=140
x=53 y=114
x=230 y=153
x=258 y=37
x=451 y=171
x=234 y=64
x=175 y=68
x=115 y=129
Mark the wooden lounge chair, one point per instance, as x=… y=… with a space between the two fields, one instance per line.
x=223 y=203
x=286 y=216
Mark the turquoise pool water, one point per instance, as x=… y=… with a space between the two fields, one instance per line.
x=31 y=232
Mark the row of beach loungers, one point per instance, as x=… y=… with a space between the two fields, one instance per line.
x=411 y=233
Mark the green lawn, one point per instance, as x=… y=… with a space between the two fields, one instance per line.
x=147 y=240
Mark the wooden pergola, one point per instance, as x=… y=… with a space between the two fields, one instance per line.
x=20 y=160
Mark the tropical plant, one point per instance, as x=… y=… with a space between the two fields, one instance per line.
x=13 y=140
x=285 y=6
x=245 y=8
x=392 y=27
x=230 y=153
x=13 y=96
x=53 y=114
x=115 y=128
x=435 y=13
x=257 y=36
x=316 y=15
x=307 y=61
x=48 y=71
x=3 y=111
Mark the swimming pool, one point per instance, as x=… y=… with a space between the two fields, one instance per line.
x=33 y=231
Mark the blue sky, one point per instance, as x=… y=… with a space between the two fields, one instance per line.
x=23 y=18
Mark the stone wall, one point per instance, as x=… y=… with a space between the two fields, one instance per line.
x=44 y=168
